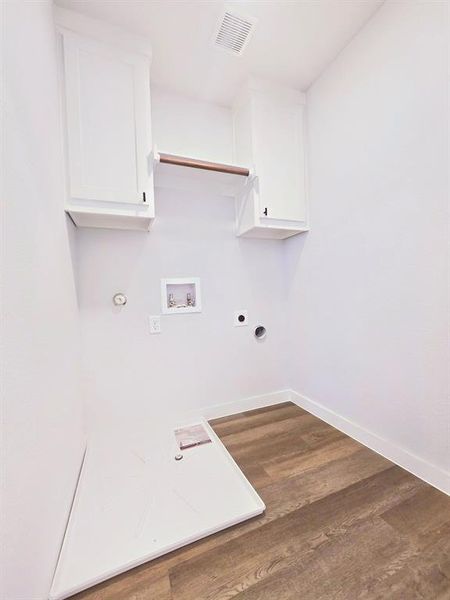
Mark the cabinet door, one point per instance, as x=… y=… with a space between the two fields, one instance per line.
x=107 y=95
x=279 y=156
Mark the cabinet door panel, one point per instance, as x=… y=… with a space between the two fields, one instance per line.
x=108 y=121
x=280 y=161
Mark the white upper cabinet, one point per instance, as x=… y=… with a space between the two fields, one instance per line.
x=269 y=136
x=108 y=133
x=107 y=100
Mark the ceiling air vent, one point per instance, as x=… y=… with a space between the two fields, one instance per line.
x=234 y=32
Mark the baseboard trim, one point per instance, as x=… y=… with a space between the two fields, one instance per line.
x=238 y=406
x=435 y=476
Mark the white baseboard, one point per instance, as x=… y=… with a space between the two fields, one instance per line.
x=435 y=476
x=238 y=406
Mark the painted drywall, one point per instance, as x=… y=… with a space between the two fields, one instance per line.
x=187 y=127
x=367 y=287
x=42 y=437
x=199 y=360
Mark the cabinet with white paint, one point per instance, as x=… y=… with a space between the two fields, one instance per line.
x=106 y=89
x=269 y=136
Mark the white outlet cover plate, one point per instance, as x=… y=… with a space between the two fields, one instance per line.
x=237 y=322
x=155 y=323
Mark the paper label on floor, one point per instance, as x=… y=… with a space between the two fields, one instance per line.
x=193 y=435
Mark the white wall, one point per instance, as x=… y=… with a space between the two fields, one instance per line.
x=187 y=127
x=368 y=285
x=199 y=360
x=42 y=441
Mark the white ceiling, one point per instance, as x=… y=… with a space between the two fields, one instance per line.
x=294 y=40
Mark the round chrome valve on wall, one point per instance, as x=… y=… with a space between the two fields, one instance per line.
x=119 y=299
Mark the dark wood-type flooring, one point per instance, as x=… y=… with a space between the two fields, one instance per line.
x=341 y=523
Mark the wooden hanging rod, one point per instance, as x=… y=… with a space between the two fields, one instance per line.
x=194 y=163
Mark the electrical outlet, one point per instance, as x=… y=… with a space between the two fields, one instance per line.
x=240 y=318
x=155 y=324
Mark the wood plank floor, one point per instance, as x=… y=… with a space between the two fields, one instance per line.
x=341 y=522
